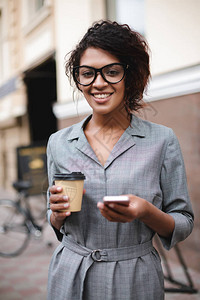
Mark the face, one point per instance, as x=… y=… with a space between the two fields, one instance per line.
x=103 y=97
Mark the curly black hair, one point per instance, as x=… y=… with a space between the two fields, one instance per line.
x=125 y=44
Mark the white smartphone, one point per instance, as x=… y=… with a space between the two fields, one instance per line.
x=116 y=199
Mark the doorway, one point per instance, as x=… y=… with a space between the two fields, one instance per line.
x=41 y=93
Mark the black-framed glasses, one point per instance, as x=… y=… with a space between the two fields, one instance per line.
x=112 y=73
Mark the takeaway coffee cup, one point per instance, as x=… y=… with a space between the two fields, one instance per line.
x=72 y=184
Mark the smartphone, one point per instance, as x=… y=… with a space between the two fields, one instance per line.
x=124 y=200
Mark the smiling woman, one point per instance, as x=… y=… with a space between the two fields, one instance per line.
x=106 y=249
x=135 y=55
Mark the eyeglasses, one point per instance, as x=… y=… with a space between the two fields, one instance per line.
x=112 y=73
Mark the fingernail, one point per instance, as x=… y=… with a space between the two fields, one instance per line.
x=66 y=205
x=100 y=205
x=65 y=198
x=111 y=205
x=68 y=213
x=59 y=189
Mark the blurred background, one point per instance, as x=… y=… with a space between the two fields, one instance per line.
x=36 y=98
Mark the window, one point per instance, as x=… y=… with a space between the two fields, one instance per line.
x=131 y=12
x=34 y=6
x=39 y=4
x=34 y=12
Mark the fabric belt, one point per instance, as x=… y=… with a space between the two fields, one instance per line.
x=111 y=254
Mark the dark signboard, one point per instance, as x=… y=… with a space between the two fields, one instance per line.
x=32 y=166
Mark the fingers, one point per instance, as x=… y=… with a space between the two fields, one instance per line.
x=58 y=203
x=61 y=215
x=115 y=212
x=55 y=189
x=59 y=206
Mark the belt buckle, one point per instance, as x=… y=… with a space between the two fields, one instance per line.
x=96 y=255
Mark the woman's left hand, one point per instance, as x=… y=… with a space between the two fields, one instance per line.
x=139 y=208
x=115 y=212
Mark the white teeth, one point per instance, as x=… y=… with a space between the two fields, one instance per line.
x=101 y=96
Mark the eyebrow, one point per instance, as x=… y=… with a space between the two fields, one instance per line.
x=117 y=63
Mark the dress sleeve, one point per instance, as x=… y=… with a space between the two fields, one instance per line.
x=176 y=200
x=51 y=166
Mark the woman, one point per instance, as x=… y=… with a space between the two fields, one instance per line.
x=106 y=250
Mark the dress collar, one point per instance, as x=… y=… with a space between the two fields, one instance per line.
x=136 y=128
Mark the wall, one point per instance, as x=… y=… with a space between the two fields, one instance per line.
x=172 y=30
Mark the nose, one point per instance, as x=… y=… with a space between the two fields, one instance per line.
x=99 y=81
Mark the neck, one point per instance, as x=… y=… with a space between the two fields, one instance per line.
x=121 y=119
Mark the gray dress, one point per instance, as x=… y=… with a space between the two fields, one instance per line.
x=98 y=259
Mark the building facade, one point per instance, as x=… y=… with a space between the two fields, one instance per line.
x=36 y=98
x=35 y=36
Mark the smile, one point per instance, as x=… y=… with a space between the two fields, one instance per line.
x=102 y=96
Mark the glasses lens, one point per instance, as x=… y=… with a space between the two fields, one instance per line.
x=113 y=73
x=84 y=75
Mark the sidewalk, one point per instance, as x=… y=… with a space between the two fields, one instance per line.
x=178 y=273
x=25 y=276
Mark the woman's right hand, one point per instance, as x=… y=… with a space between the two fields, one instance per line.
x=58 y=203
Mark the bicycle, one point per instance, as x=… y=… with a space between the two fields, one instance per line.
x=17 y=221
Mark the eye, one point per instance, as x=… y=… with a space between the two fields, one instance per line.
x=113 y=71
x=86 y=73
